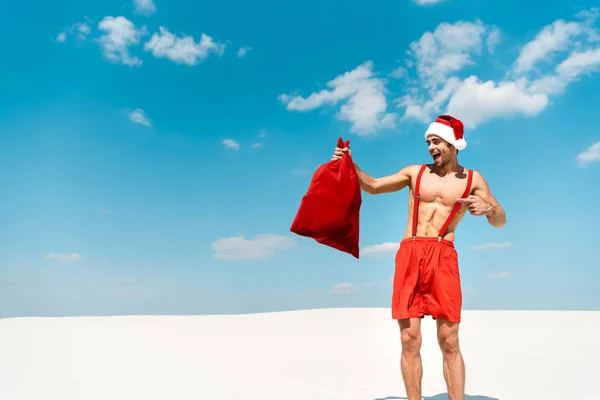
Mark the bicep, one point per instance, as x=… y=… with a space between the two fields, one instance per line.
x=482 y=190
x=394 y=182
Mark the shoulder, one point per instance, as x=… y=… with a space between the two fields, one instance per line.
x=409 y=173
x=476 y=174
x=411 y=169
x=478 y=179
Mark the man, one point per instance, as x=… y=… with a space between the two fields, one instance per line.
x=427 y=278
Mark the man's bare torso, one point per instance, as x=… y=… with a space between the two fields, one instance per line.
x=437 y=196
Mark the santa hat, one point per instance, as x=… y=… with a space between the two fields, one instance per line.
x=449 y=129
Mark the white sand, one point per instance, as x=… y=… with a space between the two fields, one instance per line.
x=310 y=355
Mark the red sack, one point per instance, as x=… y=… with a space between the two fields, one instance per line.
x=329 y=211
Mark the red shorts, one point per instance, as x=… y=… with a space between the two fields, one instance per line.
x=427 y=280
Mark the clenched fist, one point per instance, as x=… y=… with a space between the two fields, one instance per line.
x=337 y=153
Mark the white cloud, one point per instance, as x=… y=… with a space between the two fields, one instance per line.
x=350 y=288
x=363 y=97
x=184 y=49
x=261 y=247
x=258 y=144
x=436 y=58
x=232 y=144
x=83 y=28
x=427 y=2
x=492 y=246
x=62 y=257
x=344 y=288
x=242 y=51
x=380 y=249
x=552 y=38
x=139 y=117
x=399 y=72
x=421 y=109
x=446 y=50
x=120 y=34
x=301 y=172
x=590 y=155
x=441 y=76
x=80 y=30
x=144 y=7
x=493 y=40
x=440 y=58
x=499 y=275
x=480 y=101
x=579 y=63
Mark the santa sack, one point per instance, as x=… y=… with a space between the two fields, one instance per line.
x=329 y=211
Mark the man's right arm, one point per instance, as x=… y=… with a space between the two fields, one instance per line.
x=386 y=184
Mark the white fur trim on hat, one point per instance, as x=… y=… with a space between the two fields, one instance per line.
x=446 y=133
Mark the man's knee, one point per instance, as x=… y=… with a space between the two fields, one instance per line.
x=410 y=336
x=449 y=344
x=448 y=339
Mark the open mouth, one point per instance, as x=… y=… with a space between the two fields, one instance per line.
x=435 y=156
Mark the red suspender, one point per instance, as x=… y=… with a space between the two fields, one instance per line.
x=456 y=206
x=416 y=200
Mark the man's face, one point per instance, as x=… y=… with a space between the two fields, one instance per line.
x=440 y=150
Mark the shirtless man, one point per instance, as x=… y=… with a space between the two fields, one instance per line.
x=427 y=278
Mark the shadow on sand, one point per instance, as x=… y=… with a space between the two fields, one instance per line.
x=441 y=396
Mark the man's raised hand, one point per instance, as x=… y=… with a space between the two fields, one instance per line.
x=338 y=152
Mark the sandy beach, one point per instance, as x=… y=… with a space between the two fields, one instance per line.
x=324 y=354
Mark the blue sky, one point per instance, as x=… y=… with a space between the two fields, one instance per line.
x=153 y=155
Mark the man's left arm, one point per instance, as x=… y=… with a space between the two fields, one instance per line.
x=482 y=202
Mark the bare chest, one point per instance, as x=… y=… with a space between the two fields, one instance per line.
x=442 y=190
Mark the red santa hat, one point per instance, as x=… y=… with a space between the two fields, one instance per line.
x=449 y=129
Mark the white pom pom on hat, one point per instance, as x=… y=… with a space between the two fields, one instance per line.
x=449 y=129
x=460 y=144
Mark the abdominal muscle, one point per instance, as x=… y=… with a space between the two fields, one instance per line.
x=432 y=217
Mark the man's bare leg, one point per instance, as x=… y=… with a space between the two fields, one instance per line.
x=454 y=366
x=410 y=363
